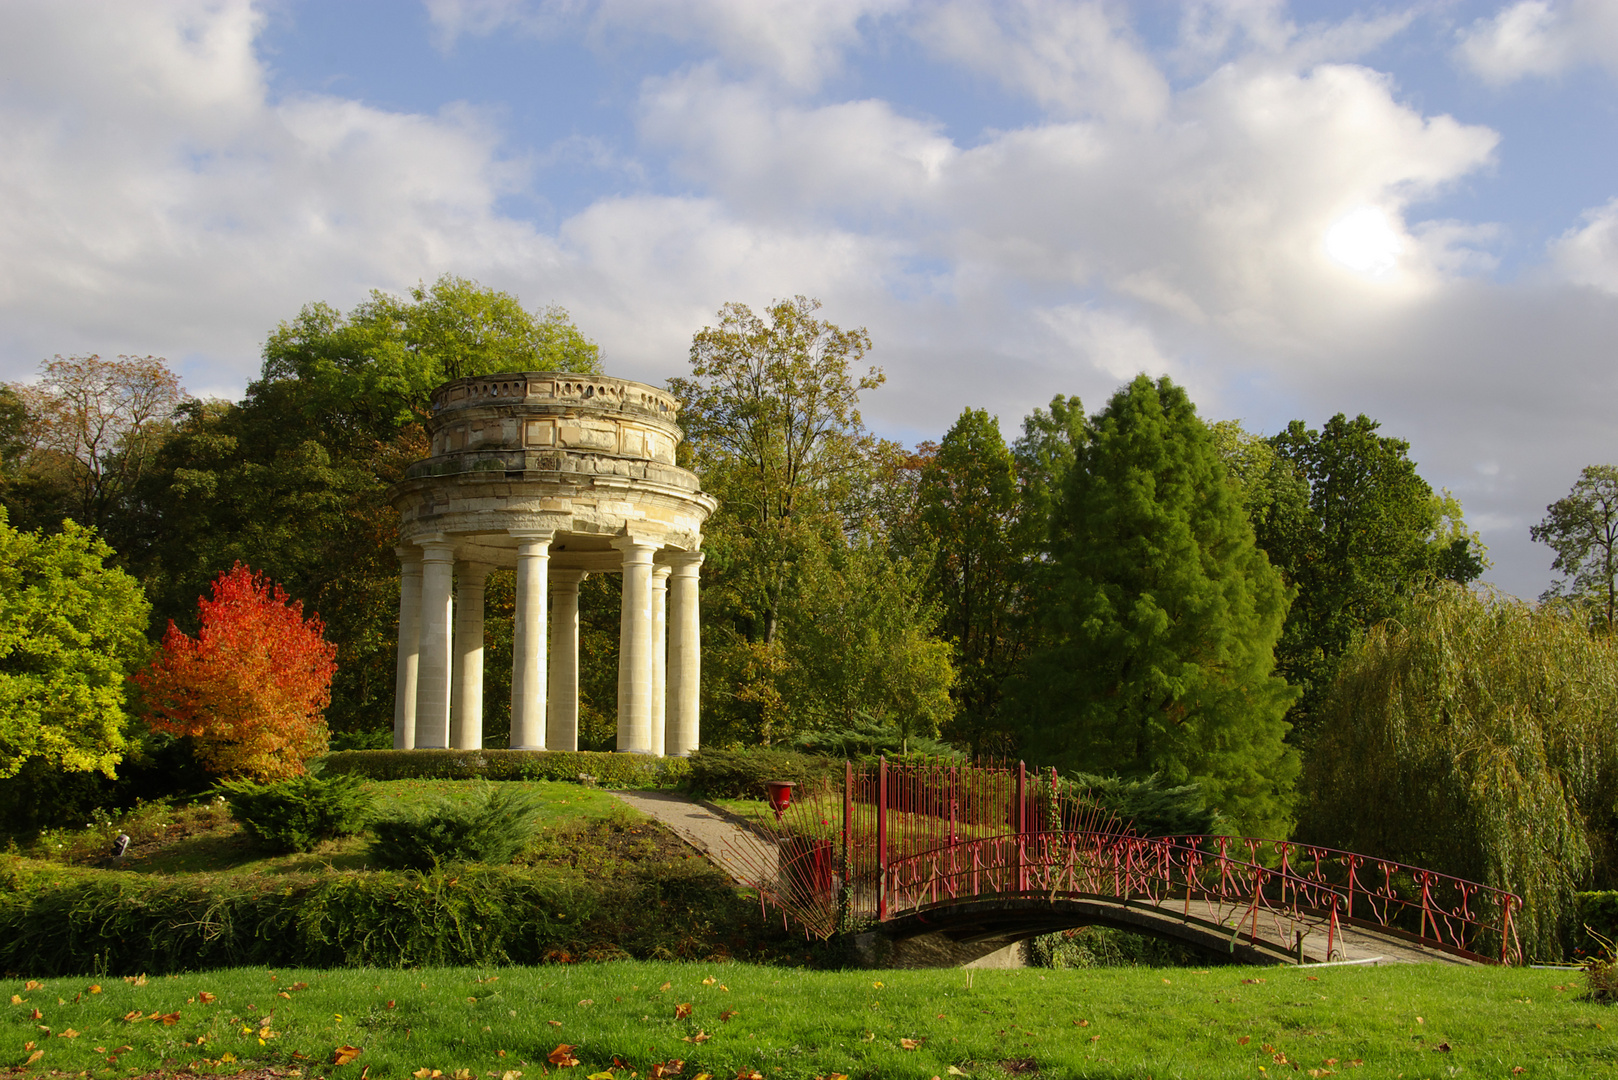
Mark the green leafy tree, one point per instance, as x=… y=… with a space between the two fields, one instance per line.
x=71 y=630
x=1165 y=616
x=1582 y=528
x=968 y=502
x=1371 y=538
x=1474 y=736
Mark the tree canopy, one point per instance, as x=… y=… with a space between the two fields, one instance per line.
x=1163 y=620
x=71 y=629
x=1582 y=528
x=1474 y=735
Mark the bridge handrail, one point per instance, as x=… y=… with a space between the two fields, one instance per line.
x=1152 y=865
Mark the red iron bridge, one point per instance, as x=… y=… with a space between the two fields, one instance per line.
x=986 y=856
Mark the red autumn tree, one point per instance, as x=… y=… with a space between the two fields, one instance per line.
x=251 y=687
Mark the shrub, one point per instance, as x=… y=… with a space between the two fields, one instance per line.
x=869 y=739
x=609 y=770
x=493 y=826
x=1152 y=807
x=297 y=814
x=742 y=774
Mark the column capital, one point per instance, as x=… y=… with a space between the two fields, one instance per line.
x=532 y=541
x=472 y=573
x=638 y=550
x=436 y=547
x=408 y=553
x=684 y=563
x=567 y=579
x=660 y=575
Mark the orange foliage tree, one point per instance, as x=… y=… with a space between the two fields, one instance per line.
x=250 y=689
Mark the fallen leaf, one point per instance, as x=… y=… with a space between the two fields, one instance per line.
x=16 y=999
x=389 y=1005
x=554 y=1023
x=701 y=1036
x=608 y=1075
x=461 y=1074
x=682 y=1010
x=749 y=1074
x=587 y=1001
x=36 y=1015
x=664 y=988
x=671 y=1067
x=204 y=997
x=95 y=989
x=299 y=986
x=910 y=1044
x=126 y=1049
x=1517 y=1070
x=474 y=1001
x=32 y=985
x=876 y=986
x=709 y=981
x=1251 y=982
x=134 y=1015
x=1166 y=982
x=725 y=1016
x=1244 y=1040
x=1095 y=1038
x=169 y=1019
x=1081 y=1023
x=69 y=1033
x=1312 y=978
x=1419 y=1020
x=284 y=994
x=562 y=1056
x=953 y=1071
x=511 y=1074
x=1318 y=1074
x=36 y=1055
x=344 y=1054
x=1441 y=1048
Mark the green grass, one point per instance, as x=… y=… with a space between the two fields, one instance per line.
x=203 y=839
x=1162 y=1023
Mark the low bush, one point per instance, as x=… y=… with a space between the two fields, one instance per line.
x=493 y=826
x=868 y=739
x=742 y=774
x=297 y=814
x=608 y=770
x=63 y=921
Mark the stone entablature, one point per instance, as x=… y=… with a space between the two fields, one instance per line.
x=560 y=476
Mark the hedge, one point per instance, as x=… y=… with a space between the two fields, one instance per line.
x=609 y=770
x=742 y=774
x=119 y=923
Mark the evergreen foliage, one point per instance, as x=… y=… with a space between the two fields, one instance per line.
x=721 y=773
x=1476 y=735
x=493 y=826
x=71 y=629
x=1150 y=806
x=1582 y=528
x=607 y=769
x=1163 y=620
x=297 y=814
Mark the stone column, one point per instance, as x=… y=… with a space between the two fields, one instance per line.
x=685 y=654
x=528 y=641
x=466 y=718
x=635 y=647
x=433 y=668
x=660 y=597
x=562 y=712
x=404 y=683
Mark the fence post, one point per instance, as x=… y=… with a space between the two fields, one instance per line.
x=882 y=839
x=847 y=899
x=1022 y=826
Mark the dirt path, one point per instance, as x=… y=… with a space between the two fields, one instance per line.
x=736 y=850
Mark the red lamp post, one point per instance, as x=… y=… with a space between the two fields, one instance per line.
x=780 y=794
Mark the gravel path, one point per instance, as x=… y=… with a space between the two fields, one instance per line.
x=736 y=850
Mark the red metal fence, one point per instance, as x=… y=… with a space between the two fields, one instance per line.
x=910 y=837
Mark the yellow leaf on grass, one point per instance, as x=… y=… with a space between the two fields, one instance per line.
x=725 y=1016
x=957 y=1071
x=35 y=1056
x=227 y=1057
x=32 y=985
x=709 y=981
x=586 y=1002
x=16 y=999
x=344 y=1054
x=601 y=1076
x=284 y=994
x=134 y=1015
x=514 y=1074
x=299 y=986
x=461 y=1074
x=664 y=988
x=95 y=989
x=206 y=998
x=36 y=1015
x=749 y=1074
x=68 y=1033
x=562 y=1055
x=554 y=1023
x=701 y=1036
x=682 y=1010
x=663 y=1069
x=910 y=1044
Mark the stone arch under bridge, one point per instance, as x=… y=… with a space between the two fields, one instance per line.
x=558 y=476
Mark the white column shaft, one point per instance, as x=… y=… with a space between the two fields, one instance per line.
x=433 y=667
x=528 y=642
x=635 y=648
x=404 y=683
x=660 y=596
x=466 y=719
x=562 y=710
x=685 y=655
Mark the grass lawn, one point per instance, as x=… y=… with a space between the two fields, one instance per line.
x=731 y=1019
x=203 y=839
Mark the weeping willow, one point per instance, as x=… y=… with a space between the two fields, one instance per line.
x=1476 y=736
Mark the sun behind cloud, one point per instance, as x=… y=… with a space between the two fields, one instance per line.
x=1365 y=240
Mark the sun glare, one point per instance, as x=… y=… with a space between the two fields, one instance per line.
x=1366 y=241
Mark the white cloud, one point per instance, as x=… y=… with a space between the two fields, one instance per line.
x=1076 y=59
x=1589 y=255
x=1541 y=38
x=796 y=43
x=153 y=198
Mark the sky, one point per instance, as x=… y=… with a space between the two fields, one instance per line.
x=1407 y=210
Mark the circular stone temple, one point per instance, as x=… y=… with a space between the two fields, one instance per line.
x=560 y=476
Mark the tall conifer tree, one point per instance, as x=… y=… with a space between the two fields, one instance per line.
x=1161 y=649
